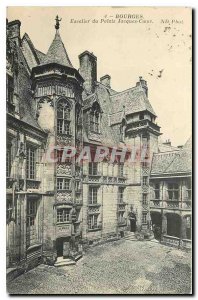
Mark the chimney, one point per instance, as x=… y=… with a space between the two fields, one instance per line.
x=13 y=28
x=143 y=84
x=106 y=80
x=88 y=70
x=167 y=143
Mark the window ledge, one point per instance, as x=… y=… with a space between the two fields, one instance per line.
x=64 y=133
x=64 y=190
x=94 y=229
x=94 y=204
x=62 y=223
x=95 y=132
x=32 y=180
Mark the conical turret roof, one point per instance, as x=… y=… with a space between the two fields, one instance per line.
x=57 y=52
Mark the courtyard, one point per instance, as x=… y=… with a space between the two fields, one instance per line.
x=120 y=267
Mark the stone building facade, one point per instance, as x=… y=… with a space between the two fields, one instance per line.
x=171 y=195
x=54 y=206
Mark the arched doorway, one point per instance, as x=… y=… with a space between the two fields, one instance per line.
x=173 y=225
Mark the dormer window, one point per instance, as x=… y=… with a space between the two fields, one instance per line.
x=95 y=117
x=94 y=121
x=63 y=117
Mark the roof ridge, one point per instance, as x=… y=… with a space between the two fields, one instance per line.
x=125 y=91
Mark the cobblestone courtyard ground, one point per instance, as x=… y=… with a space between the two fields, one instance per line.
x=121 y=267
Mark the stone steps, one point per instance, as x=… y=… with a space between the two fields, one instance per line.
x=130 y=236
x=61 y=262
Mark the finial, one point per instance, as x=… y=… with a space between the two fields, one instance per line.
x=57 y=22
x=140 y=78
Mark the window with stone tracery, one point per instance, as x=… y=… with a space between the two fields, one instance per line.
x=63 y=117
x=95 y=118
x=94 y=121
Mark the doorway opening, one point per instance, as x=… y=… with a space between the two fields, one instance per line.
x=156 y=219
x=63 y=247
x=173 y=224
x=133 y=225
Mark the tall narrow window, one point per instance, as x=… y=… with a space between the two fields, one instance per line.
x=144 y=218
x=63 y=117
x=121 y=133
x=144 y=200
x=157 y=191
x=9 y=209
x=93 y=222
x=93 y=168
x=120 y=170
x=121 y=218
x=30 y=163
x=188 y=191
x=120 y=195
x=78 y=186
x=145 y=180
x=93 y=195
x=8 y=160
x=94 y=121
x=31 y=222
x=173 y=191
x=9 y=88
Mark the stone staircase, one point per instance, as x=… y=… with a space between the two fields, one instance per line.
x=61 y=262
x=130 y=236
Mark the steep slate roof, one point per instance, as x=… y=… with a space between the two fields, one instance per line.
x=40 y=55
x=134 y=99
x=109 y=89
x=57 y=53
x=29 y=52
x=173 y=162
x=116 y=118
x=25 y=96
x=107 y=135
x=27 y=116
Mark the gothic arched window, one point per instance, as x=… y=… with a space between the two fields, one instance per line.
x=95 y=119
x=63 y=117
x=122 y=130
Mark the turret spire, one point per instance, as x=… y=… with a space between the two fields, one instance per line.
x=57 y=26
x=57 y=52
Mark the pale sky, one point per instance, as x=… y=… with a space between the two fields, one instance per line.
x=127 y=51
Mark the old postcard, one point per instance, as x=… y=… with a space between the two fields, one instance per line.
x=99 y=148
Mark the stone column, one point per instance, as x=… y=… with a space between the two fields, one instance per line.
x=183 y=228
x=164 y=224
